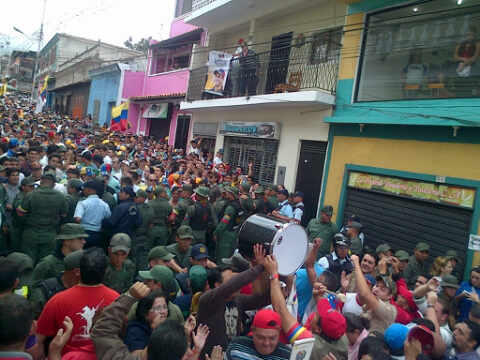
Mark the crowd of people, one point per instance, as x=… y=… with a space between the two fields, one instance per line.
x=120 y=247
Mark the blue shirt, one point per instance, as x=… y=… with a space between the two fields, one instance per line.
x=286 y=209
x=92 y=211
x=465 y=305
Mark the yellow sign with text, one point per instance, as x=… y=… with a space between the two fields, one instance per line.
x=439 y=193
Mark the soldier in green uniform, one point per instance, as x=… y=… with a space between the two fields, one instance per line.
x=181 y=250
x=25 y=269
x=44 y=209
x=226 y=230
x=74 y=195
x=43 y=290
x=183 y=204
x=120 y=273
x=162 y=210
x=324 y=229
x=353 y=230
x=106 y=195
x=417 y=264
x=140 y=247
x=200 y=216
x=159 y=255
x=71 y=238
x=272 y=200
x=259 y=204
x=220 y=201
x=26 y=186
x=246 y=201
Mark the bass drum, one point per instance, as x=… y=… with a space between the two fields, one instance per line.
x=288 y=242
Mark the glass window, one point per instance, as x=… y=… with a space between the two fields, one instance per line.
x=421 y=51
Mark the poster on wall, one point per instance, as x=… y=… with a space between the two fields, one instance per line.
x=439 y=193
x=218 y=66
x=266 y=130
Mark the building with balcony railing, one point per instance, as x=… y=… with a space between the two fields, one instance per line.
x=155 y=109
x=405 y=131
x=263 y=83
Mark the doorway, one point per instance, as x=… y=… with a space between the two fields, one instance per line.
x=181 y=134
x=279 y=60
x=159 y=128
x=310 y=174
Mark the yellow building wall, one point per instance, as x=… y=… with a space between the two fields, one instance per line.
x=352 y=38
x=433 y=158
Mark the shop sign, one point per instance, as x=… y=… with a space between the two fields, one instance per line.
x=267 y=130
x=156 y=111
x=439 y=193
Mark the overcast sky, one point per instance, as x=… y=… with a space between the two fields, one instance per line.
x=111 y=21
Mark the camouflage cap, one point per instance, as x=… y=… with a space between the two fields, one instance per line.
x=389 y=284
x=452 y=254
x=422 y=246
x=71 y=231
x=185 y=232
x=50 y=175
x=75 y=183
x=141 y=193
x=160 y=252
x=160 y=190
x=449 y=281
x=259 y=190
x=120 y=242
x=72 y=260
x=383 y=248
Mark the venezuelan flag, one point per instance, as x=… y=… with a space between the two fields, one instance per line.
x=43 y=89
x=119 y=117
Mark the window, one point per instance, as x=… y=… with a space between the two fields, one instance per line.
x=181 y=62
x=425 y=50
x=325 y=46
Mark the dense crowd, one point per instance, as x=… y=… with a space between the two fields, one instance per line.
x=120 y=247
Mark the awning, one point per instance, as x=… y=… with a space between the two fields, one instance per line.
x=161 y=97
x=156 y=111
x=189 y=37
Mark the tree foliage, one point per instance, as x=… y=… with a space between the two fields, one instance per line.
x=141 y=45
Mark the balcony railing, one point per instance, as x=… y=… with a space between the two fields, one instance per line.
x=308 y=65
x=198 y=4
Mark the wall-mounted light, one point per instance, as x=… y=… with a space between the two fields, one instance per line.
x=415 y=9
x=459 y=2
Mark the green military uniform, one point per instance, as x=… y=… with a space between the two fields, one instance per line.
x=226 y=230
x=259 y=203
x=159 y=234
x=73 y=199
x=109 y=199
x=141 y=246
x=324 y=230
x=43 y=290
x=16 y=229
x=200 y=218
x=44 y=208
x=356 y=247
x=272 y=203
x=25 y=268
x=414 y=267
x=52 y=265
x=218 y=205
x=183 y=204
x=120 y=280
x=182 y=258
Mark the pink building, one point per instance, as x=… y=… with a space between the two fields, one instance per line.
x=155 y=95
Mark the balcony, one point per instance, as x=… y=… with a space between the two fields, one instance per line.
x=303 y=73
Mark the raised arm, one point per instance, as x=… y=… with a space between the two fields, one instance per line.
x=310 y=261
x=362 y=287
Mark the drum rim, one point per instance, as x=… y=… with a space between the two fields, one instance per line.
x=277 y=235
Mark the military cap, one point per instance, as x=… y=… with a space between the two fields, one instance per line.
x=199 y=252
x=28 y=181
x=245 y=187
x=185 y=232
x=23 y=261
x=120 y=242
x=142 y=193
x=383 y=248
x=328 y=210
x=259 y=190
x=422 y=246
x=160 y=190
x=232 y=190
x=160 y=252
x=402 y=255
x=75 y=183
x=72 y=260
x=71 y=231
x=163 y=275
x=50 y=175
x=452 y=254
x=449 y=281
x=389 y=283
x=202 y=191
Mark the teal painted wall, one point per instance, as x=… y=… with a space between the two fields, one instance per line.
x=369 y=5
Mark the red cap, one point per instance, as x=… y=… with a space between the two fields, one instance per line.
x=241 y=41
x=51 y=134
x=424 y=335
x=333 y=323
x=267 y=319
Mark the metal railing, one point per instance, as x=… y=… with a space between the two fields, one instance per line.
x=308 y=65
x=198 y=4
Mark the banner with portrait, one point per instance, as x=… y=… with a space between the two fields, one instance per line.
x=218 y=67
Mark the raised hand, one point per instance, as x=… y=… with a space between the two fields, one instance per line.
x=217 y=354
x=200 y=337
x=190 y=324
x=271 y=265
x=62 y=337
x=259 y=254
x=139 y=290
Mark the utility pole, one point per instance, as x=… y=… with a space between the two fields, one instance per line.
x=39 y=47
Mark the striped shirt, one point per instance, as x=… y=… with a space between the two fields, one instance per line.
x=243 y=348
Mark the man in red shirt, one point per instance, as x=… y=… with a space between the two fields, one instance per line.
x=81 y=303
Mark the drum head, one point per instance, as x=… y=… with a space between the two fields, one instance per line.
x=290 y=247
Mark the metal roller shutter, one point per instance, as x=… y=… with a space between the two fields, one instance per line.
x=403 y=222
x=263 y=153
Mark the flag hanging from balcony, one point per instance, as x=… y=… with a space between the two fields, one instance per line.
x=42 y=95
x=119 y=117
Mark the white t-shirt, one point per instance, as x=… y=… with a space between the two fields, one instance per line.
x=351 y=304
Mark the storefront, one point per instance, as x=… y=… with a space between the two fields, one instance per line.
x=208 y=133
